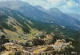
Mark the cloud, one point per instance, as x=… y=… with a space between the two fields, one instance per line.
x=53 y=3
x=56 y=2
x=72 y=3
x=64 y=5
x=46 y=3
x=50 y=3
x=71 y=6
x=42 y=3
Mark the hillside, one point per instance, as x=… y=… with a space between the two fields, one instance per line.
x=76 y=16
x=15 y=23
x=20 y=26
x=29 y=30
x=52 y=15
x=61 y=18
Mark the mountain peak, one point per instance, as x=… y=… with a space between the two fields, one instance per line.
x=40 y=7
x=12 y=4
x=55 y=10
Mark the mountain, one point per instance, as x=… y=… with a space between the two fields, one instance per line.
x=61 y=18
x=16 y=26
x=27 y=10
x=40 y=8
x=76 y=16
x=13 y=24
x=51 y=32
x=52 y=15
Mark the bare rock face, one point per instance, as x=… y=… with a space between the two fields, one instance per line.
x=48 y=39
x=58 y=48
x=61 y=46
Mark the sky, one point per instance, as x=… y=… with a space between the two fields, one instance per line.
x=71 y=6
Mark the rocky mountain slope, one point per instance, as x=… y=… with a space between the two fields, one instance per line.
x=76 y=16
x=61 y=18
x=22 y=34
x=14 y=24
x=23 y=28
x=52 y=15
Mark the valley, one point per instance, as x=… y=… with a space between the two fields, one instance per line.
x=32 y=30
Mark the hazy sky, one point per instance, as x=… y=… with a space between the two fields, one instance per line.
x=72 y=6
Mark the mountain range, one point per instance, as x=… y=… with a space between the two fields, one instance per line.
x=76 y=16
x=52 y=15
x=32 y=30
x=20 y=18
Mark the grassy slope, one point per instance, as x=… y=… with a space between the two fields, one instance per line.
x=23 y=26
